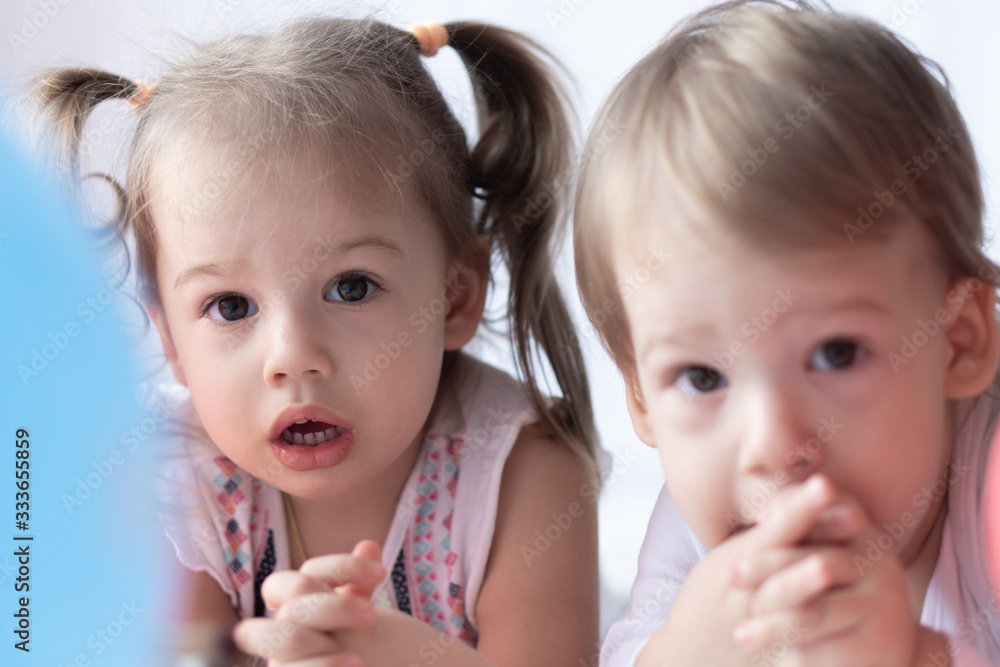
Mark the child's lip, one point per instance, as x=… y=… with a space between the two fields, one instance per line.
x=298 y=413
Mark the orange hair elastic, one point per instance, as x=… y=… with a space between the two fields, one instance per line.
x=431 y=37
x=143 y=92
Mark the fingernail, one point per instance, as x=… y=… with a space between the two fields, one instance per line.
x=816 y=489
x=736 y=571
x=743 y=634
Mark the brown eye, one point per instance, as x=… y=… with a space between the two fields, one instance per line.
x=700 y=380
x=231 y=308
x=836 y=354
x=351 y=289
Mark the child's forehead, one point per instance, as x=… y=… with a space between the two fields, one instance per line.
x=193 y=183
x=684 y=253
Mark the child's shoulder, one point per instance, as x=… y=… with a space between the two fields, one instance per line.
x=479 y=402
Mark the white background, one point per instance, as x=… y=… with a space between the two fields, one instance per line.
x=597 y=40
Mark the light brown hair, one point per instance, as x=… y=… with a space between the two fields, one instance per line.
x=790 y=124
x=358 y=90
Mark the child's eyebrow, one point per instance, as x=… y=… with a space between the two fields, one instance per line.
x=210 y=269
x=675 y=337
x=222 y=268
x=375 y=242
x=700 y=332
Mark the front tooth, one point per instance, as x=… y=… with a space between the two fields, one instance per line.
x=310 y=438
x=304 y=421
x=297 y=438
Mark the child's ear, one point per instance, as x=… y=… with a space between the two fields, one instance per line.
x=972 y=338
x=160 y=320
x=637 y=411
x=466 y=294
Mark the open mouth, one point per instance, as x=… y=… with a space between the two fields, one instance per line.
x=310 y=432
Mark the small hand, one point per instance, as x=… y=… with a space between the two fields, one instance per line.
x=327 y=594
x=700 y=627
x=816 y=603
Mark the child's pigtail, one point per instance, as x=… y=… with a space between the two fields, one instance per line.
x=67 y=96
x=520 y=169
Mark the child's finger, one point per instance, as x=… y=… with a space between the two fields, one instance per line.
x=286 y=585
x=282 y=641
x=828 y=617
x=368 y=549
x=787 y=520
x=841 y=523
x=328 y=611
x=340 y=569
x=373 y=552
x=800 y=583
x=750 y=571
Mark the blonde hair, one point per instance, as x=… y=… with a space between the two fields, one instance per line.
x=790 y=124
x=358 y=90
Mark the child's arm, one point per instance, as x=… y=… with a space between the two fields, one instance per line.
x=540 y=607
x=534 y=608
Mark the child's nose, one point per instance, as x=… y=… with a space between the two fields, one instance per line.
x=776 y=443
x=298 y=347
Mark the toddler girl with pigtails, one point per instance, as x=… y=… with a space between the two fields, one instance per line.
x=302 y=209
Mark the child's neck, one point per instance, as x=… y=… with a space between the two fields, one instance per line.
x=335 y=525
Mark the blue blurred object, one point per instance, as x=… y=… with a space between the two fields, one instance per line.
x=87 y=593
